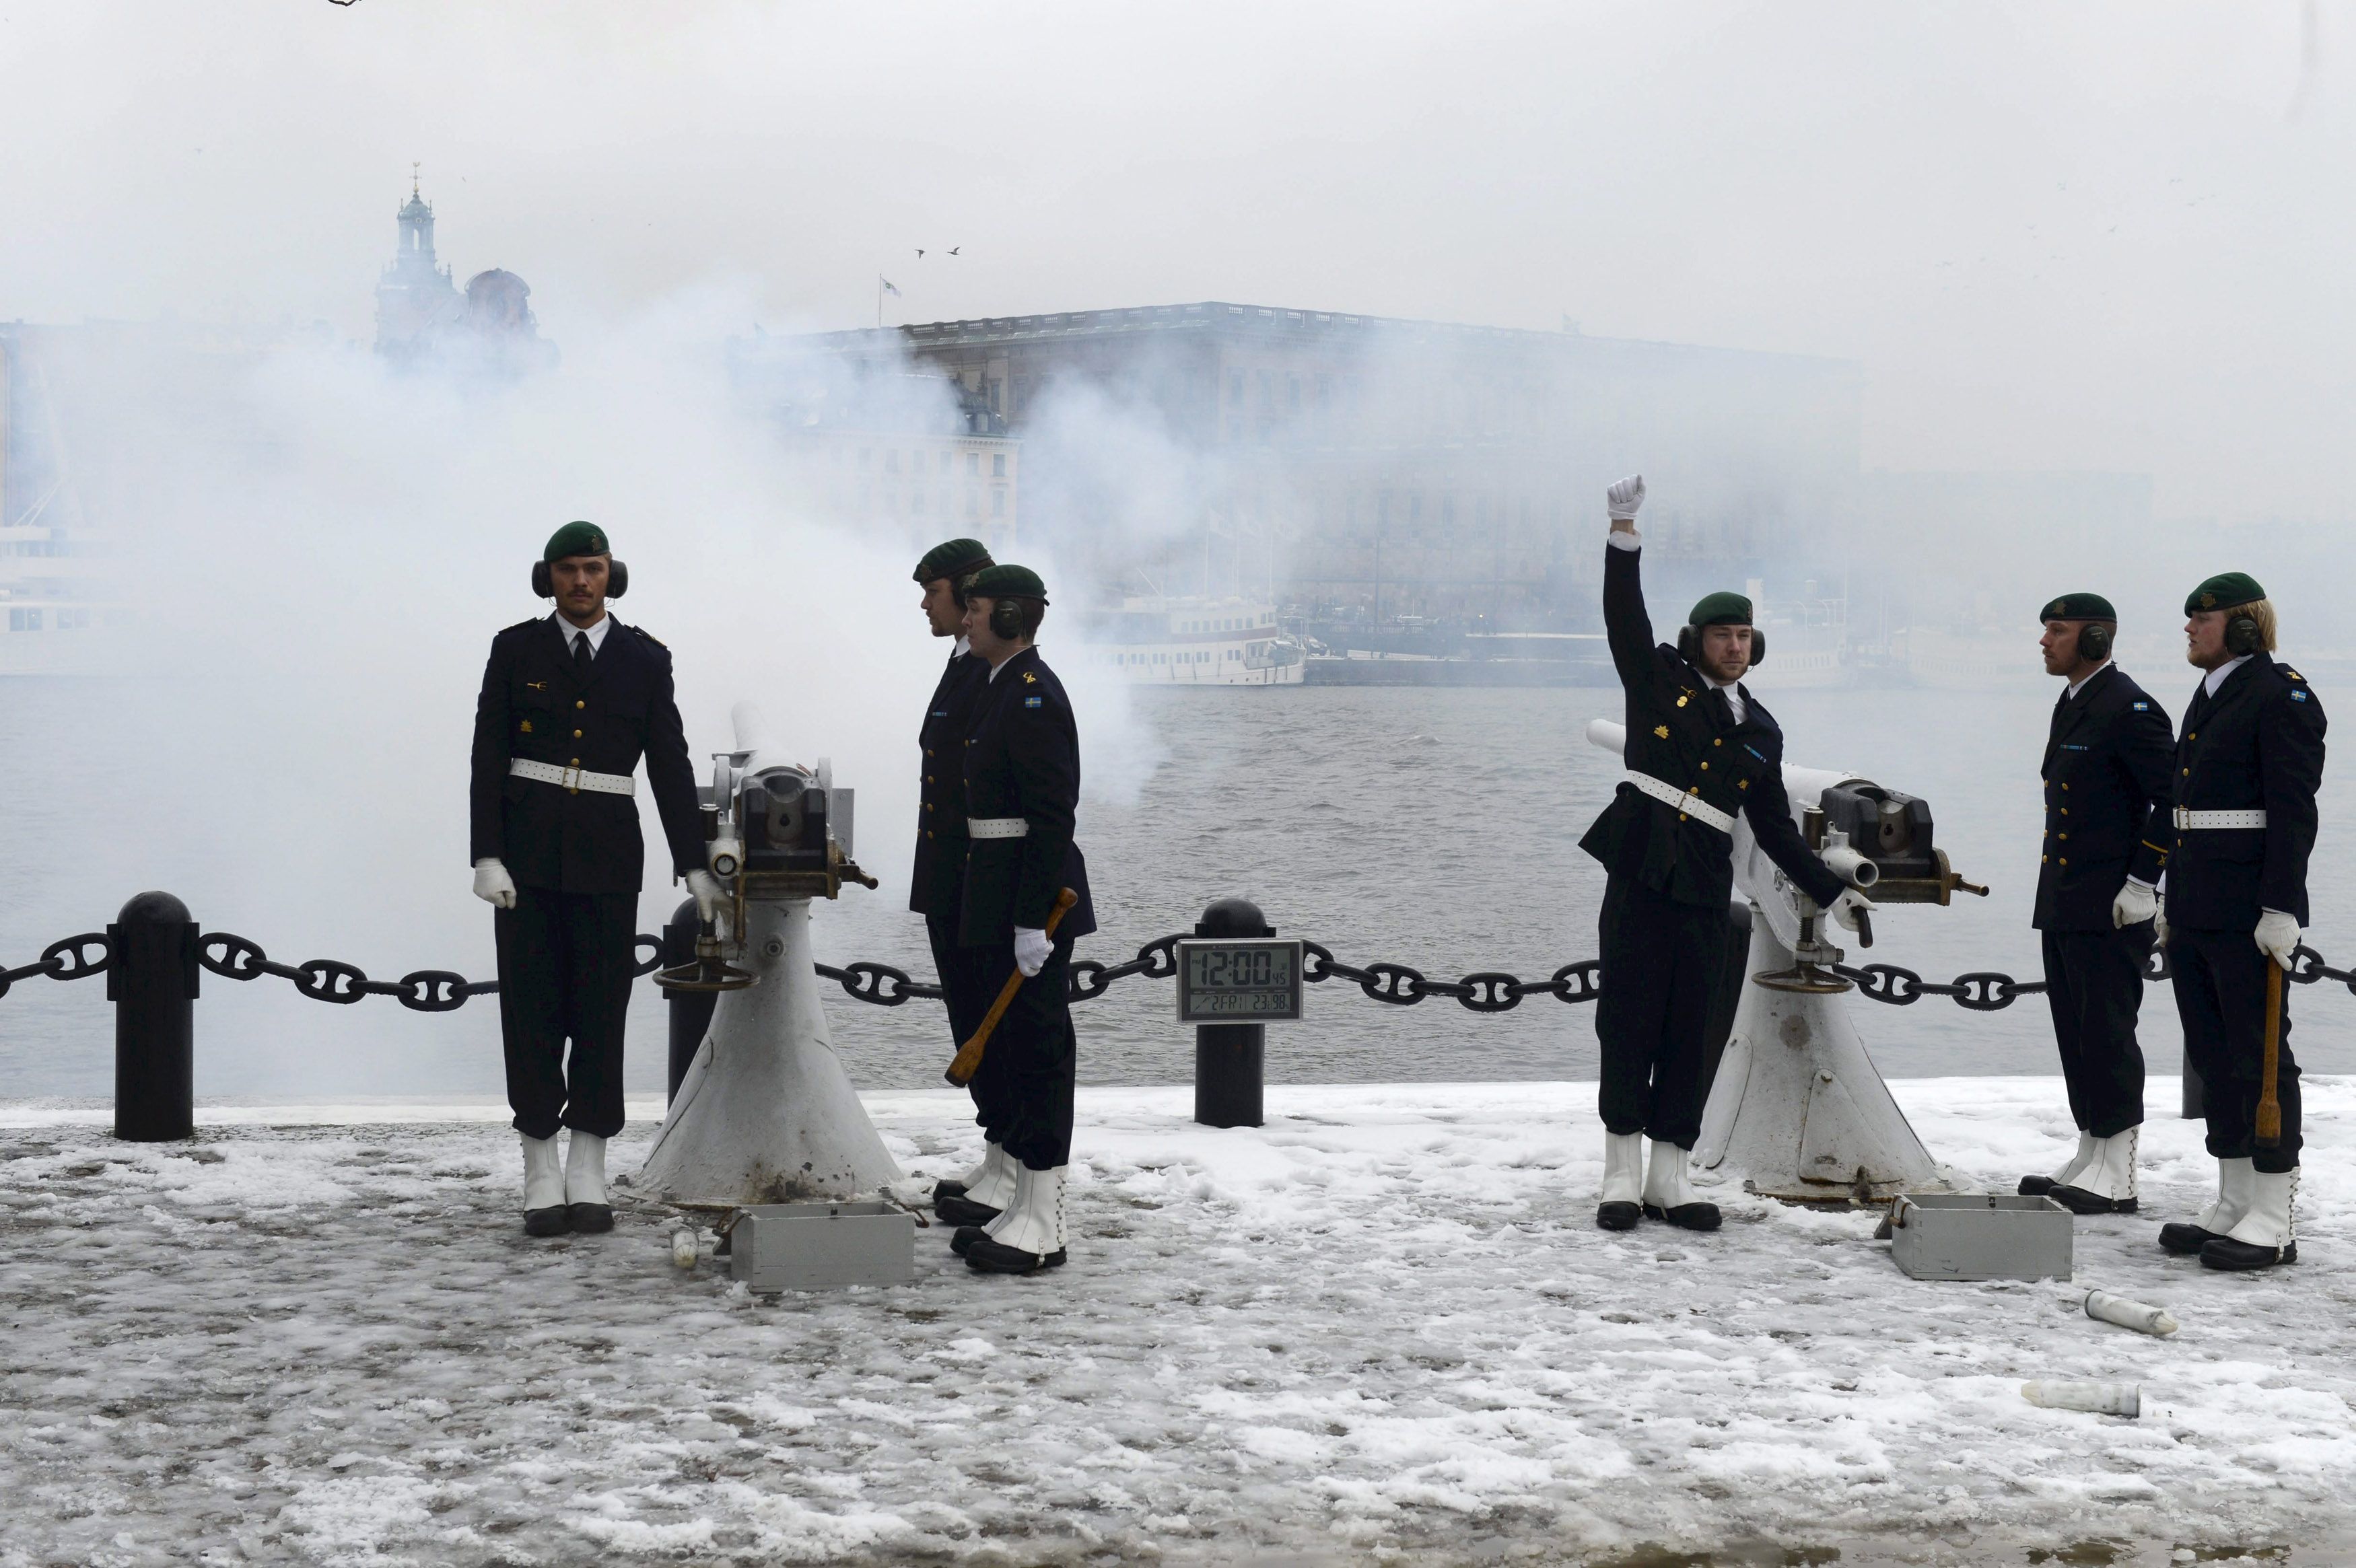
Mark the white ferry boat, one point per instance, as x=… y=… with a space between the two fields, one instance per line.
x=1195 y=642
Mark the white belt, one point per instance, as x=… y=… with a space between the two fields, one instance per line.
x=574 y=779
x=997 y=827
x=2196 y=820
x=1691 y=805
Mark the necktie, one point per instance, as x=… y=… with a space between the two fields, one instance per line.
x=1725 y=710
x=581 y=654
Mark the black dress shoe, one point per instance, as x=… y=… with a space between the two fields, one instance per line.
x=554 y=1220
x=2228 y=1253
x=961 y=1210
x=2184 y=1239
x=947 y=1188
x=992 y=1257
x=2078 y=1200
x=1617 y=1216
x=1690 y=1216
x=967 y=1235
x=2037 y=1186
x=590 y=1219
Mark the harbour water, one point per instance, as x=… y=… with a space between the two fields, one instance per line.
x=1432 y=827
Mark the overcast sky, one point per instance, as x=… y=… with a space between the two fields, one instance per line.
x=2111 y=237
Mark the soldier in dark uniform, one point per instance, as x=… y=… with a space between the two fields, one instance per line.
x=1021 y=792
x=2247 y=770
x=2106 y=772
x=569 y=704
x=936 y=887
x=1700 y=749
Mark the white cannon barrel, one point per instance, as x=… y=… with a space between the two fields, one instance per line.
x=1851 y=867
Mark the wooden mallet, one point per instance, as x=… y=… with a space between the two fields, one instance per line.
x=2269 y=1104
x=969 y=1056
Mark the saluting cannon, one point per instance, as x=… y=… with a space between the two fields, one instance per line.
x=1797 y=1103
x=764 y=1112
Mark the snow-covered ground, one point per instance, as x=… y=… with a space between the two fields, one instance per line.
x=1384 y=1325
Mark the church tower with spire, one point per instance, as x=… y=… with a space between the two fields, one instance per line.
x=415 y=298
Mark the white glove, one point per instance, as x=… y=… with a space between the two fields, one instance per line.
x=1030 y=950
x=492 y=883
x=710 y=897
x=1624 y=498
x=2277 y=936
x=1848 y=906
x=2158 y=921
x=2133 y=904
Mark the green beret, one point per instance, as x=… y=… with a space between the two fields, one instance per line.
x=1006 y=583
x=1720 y=608
x=2223 y=591
x=2078 y=607
x=576 y=538
x=952 y=560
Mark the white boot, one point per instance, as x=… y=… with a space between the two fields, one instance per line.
x=1029 y=1234
x=991 y=1182
x=1617 y=1208
x=2267 y=1233
x=2034 y=1186
x=585 y=1183
x=1669 y=1195
x=2105 y=1184
x=543 y=1188
x=2233 y=1200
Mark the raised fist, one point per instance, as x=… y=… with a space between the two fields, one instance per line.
x=1625 y=498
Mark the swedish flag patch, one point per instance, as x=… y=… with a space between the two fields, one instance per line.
x=2143 y=708
x=2298 y=697
x=1031 y=701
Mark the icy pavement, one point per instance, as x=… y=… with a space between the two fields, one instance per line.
x=1382 y=1327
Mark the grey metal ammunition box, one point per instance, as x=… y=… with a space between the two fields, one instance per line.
x=822 y=1246
x=1963 y=1235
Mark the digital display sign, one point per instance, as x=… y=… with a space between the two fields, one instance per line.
x=1239 y=980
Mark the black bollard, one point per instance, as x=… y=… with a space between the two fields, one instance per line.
x=1230 y=1059
x=151 y=981
x=690 y=1011
x=1726 y=994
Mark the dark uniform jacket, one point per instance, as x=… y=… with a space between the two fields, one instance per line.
x=1679 y=735
x=534 y=705
x=1022 y=760
x=933 y=886
x=2257 y=746
x=2106 y=796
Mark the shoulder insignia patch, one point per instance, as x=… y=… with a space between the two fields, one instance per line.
x=1663 y=730
x=1029 y=678
x=2290 y=673
x=2298 y=697
x=2143 y=706
x=1033 y=701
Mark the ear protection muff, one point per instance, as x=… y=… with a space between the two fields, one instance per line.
x=2242 y=636
x=1003 y=621
x=1690 y=645
x=2094 y=641
x=543 y=581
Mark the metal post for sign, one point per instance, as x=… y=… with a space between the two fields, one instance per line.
x=151 y=981
x=1230 y=1059
x=690 y=1011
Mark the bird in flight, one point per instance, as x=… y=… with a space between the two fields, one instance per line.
x=920 y=255
x=955 y=248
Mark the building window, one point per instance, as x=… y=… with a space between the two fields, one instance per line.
x=892 y=460
x=972 y=503
x=1234 y=385
x=1292 y=392
x=916 y=502
x=866 y=456
x=998 y=503
x=973 y=464
x=998 y=465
